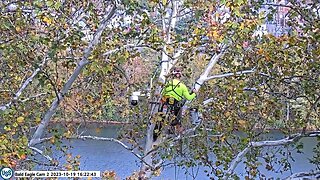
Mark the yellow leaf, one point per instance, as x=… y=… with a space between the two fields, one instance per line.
x=98 y=130
x=164 y=2
x=47 y=20
x=197 y=31
x=250 y=108
x=227 y=114
x=20 y=119
x=18 y=29
x=214 y=34
x=157 y=172
x=222 y=138
x=217 y=15
x=242 y=122
x=241 y=26
x=3 y=147
x=38 y=120
x=52 y=140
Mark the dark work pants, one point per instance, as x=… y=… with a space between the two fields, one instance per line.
x=176 y=121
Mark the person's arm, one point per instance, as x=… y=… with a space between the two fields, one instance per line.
x=187 y=95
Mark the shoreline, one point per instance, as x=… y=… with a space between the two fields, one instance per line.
x=88 y=123
x=106 y=123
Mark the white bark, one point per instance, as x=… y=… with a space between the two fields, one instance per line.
x=259 y=144
x=213 y=61
x=166 y=62
x=44 y=123
x=304 y=175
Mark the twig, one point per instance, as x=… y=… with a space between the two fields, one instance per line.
x=41 y=153
x=229 y=74
x=32 y=97
x=313 y=174
x=116 y=141
x=43 y=164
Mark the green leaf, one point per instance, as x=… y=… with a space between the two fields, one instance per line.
x=239 y=2
x=7 y=128
x=15 y=125
x=49 y=3
x=57 y=5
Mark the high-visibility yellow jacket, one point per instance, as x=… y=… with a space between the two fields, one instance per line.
x=176 y=89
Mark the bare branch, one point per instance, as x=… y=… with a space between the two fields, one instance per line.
x=208 y=101
x=229 y=74
x=108 y=139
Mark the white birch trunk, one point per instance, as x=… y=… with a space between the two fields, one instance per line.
x=166 y=65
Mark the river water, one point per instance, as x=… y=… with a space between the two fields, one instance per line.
x=105 y=155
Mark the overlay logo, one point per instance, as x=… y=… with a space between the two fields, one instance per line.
x=6 y=173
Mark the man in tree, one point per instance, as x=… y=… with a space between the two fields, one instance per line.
x=173 y=96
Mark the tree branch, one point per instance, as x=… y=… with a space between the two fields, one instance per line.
x=41 y=153
x=167 y=64
x=229 y=74
x=84 y=61
x=292 y=8
x=32 y=97
x=214 y=59
x=258 y=144
x=24 y=86
x=119 y=49
x=116 y=141
x=307 y=175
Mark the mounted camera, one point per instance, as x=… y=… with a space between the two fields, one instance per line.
x=135 y=98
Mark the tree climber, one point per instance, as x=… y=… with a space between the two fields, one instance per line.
x=173 y=94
